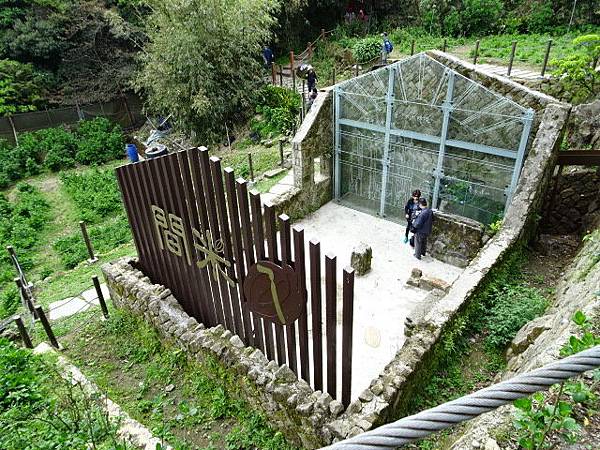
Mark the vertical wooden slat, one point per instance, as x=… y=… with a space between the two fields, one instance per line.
x=286 y=258
x=231 y=302
x=201 y=220
x=316 y=313
x=242 y=190
x=347 y=329
x=213 y=226
x=202 y=281
x=271 y=235
x=300 y=267
x=330 y=323
x=234 y=217
x=259 y=246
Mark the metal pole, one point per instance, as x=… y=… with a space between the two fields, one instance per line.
x=572 y=14
x=337 y=143
x=292 y=68
x=88 y=243
x=25 y=299
x=23 y=332
x=527 y=122
x=546 y=56
x=389 y=100
x=100 y=296
x=476 y=52
x=47 y=327
x=250 y=167
x=12 y=125
x=281 y=151
x=447 y=108
x=512 y=57
x=412 y=47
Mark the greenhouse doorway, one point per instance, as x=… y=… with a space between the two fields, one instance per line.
x=417 y=124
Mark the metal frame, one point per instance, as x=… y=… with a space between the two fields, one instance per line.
x=447 y=107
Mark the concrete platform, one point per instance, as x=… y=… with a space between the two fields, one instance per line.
x=382 y=298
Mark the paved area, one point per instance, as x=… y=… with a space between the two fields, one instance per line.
x=73 y=305
x=382 y=298
x=516 y=74
x=284 y=185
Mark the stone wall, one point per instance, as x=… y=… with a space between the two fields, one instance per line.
x=455 y=239
x=573 y=202
x=583 y=130
x=389 y=395
x=289 y=404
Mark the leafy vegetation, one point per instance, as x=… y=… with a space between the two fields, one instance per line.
x=21 y=87
x=93 y=142
x=187 y=403
x=278 y=110
x=367 y=49
x=40 y=410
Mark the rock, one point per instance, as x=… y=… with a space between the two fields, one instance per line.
x=360 y=260
x=416 y=273
x=527 y=335
x=169 y=388
x=491 y=444
x=431 y=283
x=274 y=172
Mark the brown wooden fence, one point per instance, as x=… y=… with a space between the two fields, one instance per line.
x=200 y=232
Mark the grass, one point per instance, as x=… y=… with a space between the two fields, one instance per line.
x=263 y=158
x=266 y=184
x=187 y=403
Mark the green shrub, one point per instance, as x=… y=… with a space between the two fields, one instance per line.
x=59 y=146
x=9 y=301
x=72 y=250
x=479 y=17
x=95 y=194
x=513 y=307
x=367 y=49
x=278 y=108
x=99 y=141
x=540 y=18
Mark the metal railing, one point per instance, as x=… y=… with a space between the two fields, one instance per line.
x=421 y=425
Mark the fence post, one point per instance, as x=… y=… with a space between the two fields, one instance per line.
x=47 y=327
x=25 y=298
x=444 y=46
x=310 y=50
x=292 y=68
x=79 y=112
x=14 y=130
x=476 y=52
x=250 y=167
x=100 y=296
x=303 y=107
x=88 y=243
x=48 y=117
x=323 y=34
x=281 y=151
x=23 y=332
x=512 y=57
x=280 y=75
x=546 y=56
x=273 y=75
x=412 y=47
x=303 y=86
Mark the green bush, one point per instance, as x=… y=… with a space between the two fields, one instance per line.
x=99 y=141
x=95 y=194
x=72 y=250
x=278 y=108
x=513 y=307
x=367 y=49
x=479 y=17
x=59 y=146
x=9 y=301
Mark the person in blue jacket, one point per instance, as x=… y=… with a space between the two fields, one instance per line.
x=422 y=227
x=410 y=210
x=268 y=56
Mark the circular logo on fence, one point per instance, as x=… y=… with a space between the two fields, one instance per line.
x=271 y=292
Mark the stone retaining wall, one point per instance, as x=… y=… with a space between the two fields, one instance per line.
x=389 y=396
x=455 y=239
x=290 y=405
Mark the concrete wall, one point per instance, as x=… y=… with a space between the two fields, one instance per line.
x=289 y=404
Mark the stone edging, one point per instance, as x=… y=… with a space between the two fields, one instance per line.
x=290 y=404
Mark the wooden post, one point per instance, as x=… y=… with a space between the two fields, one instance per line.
x=100 y=296
x=303 y=86
x=273 y=75
x=310 y=50
x=512 y=57
x=250 y=168
x=88 y=243
x=412 y=47
x=476 y=52
x=47 y=327
x=280 y=75
x=303 y=112
x=445 y=45
x=23 y=332
x=281 y=151
x=14 y=130
x=347 y=331
x=546 y=56
x=292 y=64
x=323 y=34
x=27 y=301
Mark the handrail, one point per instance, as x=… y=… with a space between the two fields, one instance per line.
x=421 y=425
x=578 y=158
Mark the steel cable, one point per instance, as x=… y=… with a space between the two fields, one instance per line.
x=426 y=422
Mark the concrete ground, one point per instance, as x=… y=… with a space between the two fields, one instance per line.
x=382 y=299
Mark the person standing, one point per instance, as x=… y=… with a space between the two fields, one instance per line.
x=268 y=56
x=386 y=48
x=311 y=79
x=422 y=227
x=410 y=210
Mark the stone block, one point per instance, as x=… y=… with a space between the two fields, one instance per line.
x=431 y=283
x=360 y=260
x=274 y=172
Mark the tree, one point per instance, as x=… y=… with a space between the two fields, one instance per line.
x=21 y=87
x=202 y=64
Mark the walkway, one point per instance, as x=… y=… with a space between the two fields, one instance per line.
x=79 y=303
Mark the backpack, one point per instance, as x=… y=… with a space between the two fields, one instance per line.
x=388 y=47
